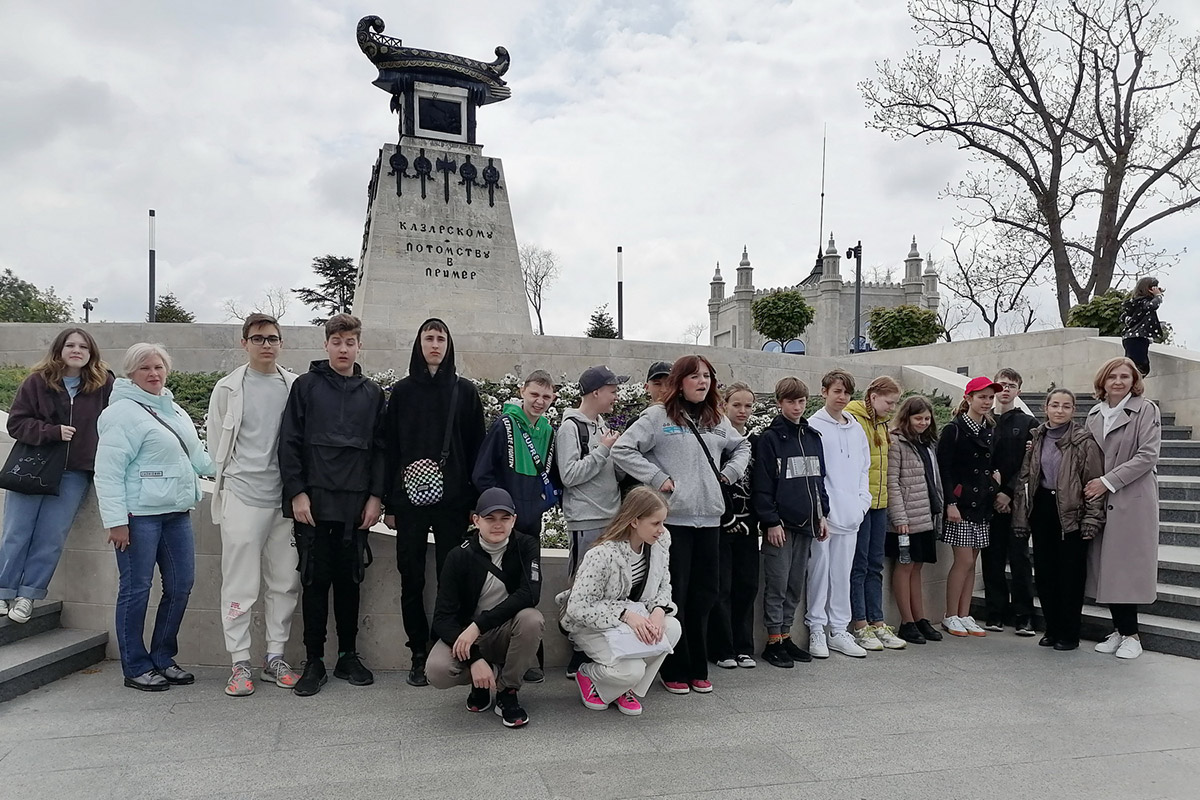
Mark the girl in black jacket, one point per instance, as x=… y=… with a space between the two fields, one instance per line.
x=969 y=481
x=1139 y=318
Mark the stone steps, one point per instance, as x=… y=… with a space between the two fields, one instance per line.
x=1179 y=533
x=39 y=651
x=1179 y=487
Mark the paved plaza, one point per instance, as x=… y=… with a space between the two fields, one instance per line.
x=991 y=718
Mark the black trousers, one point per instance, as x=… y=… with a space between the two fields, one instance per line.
x=449 y=527
x=329 y=559
x=731 y=625
x=1125 y=618
x=695 y=555
x=1060 y=560
x=1137 y=350
x=1004 y=548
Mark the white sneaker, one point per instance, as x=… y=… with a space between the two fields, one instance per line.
x=954 y=626
x=1130 y=647
x=843 y=642
x=887 y=636
x=1110 y=644
x=817 y=646
x=4 y=606
x=727 y=663
x=867 y=640
x=972 y=626
x=21 y=610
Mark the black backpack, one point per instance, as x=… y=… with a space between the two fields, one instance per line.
x=627 y=483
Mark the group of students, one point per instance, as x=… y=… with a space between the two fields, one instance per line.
x=664 y=519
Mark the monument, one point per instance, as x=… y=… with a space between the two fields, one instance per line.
x=438 y=239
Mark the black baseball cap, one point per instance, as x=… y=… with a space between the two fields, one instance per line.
x=657 y=370
x=495 y=499
x=595 y=377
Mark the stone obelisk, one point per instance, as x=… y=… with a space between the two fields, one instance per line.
x=439 y=239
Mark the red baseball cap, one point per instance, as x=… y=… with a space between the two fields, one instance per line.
x=979 y=384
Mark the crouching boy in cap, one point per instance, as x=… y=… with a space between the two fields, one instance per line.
x=486 y=619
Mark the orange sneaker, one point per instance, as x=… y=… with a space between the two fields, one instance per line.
x=241 y=683
x=280 y=673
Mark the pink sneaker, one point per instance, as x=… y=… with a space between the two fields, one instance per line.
x=628 y=705
x=702 y=686
x=587 y=692
x=674 y=687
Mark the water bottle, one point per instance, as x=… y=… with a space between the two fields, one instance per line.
x=905 y=553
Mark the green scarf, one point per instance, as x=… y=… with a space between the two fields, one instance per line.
x=539 y=433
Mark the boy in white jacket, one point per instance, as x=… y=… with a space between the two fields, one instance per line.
x=847 y=461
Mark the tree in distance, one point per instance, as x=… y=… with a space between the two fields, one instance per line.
x=274 y=302
x=22 y=301
x=169 y=309
x=539 y=268
x=693 y=332
x=601 y=325
x=335 y=292
x=903 y=326
x=1080 y=120
x=782 y=315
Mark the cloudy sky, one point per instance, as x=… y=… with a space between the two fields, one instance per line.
x=680 y=130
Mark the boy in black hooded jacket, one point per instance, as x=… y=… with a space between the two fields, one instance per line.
x=418 y=414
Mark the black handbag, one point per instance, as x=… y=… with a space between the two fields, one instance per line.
x=34 y=469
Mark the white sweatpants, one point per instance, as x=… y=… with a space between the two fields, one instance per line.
x=829 y=564
x=256 y=547
x=616 y=677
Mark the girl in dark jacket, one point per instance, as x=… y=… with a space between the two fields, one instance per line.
x=969 y=485
x=1139 y=317
x=60 y=401
x=1049 y=503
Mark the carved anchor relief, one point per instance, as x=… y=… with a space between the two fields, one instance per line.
x=423 y=168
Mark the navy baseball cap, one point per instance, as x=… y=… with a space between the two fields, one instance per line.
x=495 y=499
x=595 y=377
x=657 y=370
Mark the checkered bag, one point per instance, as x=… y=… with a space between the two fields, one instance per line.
x=423 y=482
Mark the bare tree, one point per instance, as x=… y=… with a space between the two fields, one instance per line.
x=539 y=268
x=990 y=271
x=693 y=332
x=275 y=301
x=882 y=274
x=1081 y=117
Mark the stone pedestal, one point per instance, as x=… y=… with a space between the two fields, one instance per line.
x=439 y=242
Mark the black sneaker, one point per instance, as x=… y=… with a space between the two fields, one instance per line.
x=797 y=652
x=909 y=632
x=776 y=655
x=177 y=675
x=1047 y=641
x=350 y=668
x=993 y=625
x=508 y=708
x=927 y=630
x=1024 y=628
x=534 y=675
x=578 y=658
x=480 y=699
x=416 y=672
x=312 y=680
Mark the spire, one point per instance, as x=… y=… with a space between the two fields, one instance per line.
x=745 y=257
x=913 y=252
x=717 y=275
x=832 y=248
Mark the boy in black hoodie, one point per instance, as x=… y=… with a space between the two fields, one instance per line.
x=331 y=461
x=791 y=504
x=1014 y=430
x=433 y=415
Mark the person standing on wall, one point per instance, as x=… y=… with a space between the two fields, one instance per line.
x=686 y=450
x=1139 y=322
x=331 y=454
x=55 y=407
x=434 y=430
x=1014 y=428
x=147 y=463
x=1123 y=561
x=244 y=414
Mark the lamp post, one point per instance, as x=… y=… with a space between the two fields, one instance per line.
x=856 y=253
x=88 y=308
x=151 y=315
x=620 y=293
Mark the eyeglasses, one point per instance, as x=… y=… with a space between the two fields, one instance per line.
x=261 y=340
x=1010 y=386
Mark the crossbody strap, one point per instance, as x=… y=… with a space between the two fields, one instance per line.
x=449 y=425
x=704 y=447
x=491 y=565
x=174 y=432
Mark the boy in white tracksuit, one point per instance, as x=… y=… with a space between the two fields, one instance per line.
x=847 y=461
x=244 y=415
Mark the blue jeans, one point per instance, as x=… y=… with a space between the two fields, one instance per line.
x=35 y=530
x=165 y=540
x=866 y=575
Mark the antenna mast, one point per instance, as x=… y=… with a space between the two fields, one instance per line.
x=821 y=225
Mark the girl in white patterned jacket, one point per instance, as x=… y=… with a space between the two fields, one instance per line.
x=623 y=591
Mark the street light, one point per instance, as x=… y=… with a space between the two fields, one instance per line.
x=856 y=253
x=88 y=308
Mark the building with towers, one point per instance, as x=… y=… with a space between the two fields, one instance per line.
x=828 y=291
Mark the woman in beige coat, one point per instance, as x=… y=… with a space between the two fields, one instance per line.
x=1123 y=562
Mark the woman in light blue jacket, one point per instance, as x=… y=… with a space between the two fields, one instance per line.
x=146 y=468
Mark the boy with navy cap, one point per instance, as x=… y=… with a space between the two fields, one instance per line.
x=486 y=619
x=656 y=381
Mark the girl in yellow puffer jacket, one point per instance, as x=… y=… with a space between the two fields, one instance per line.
x=866 y=575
